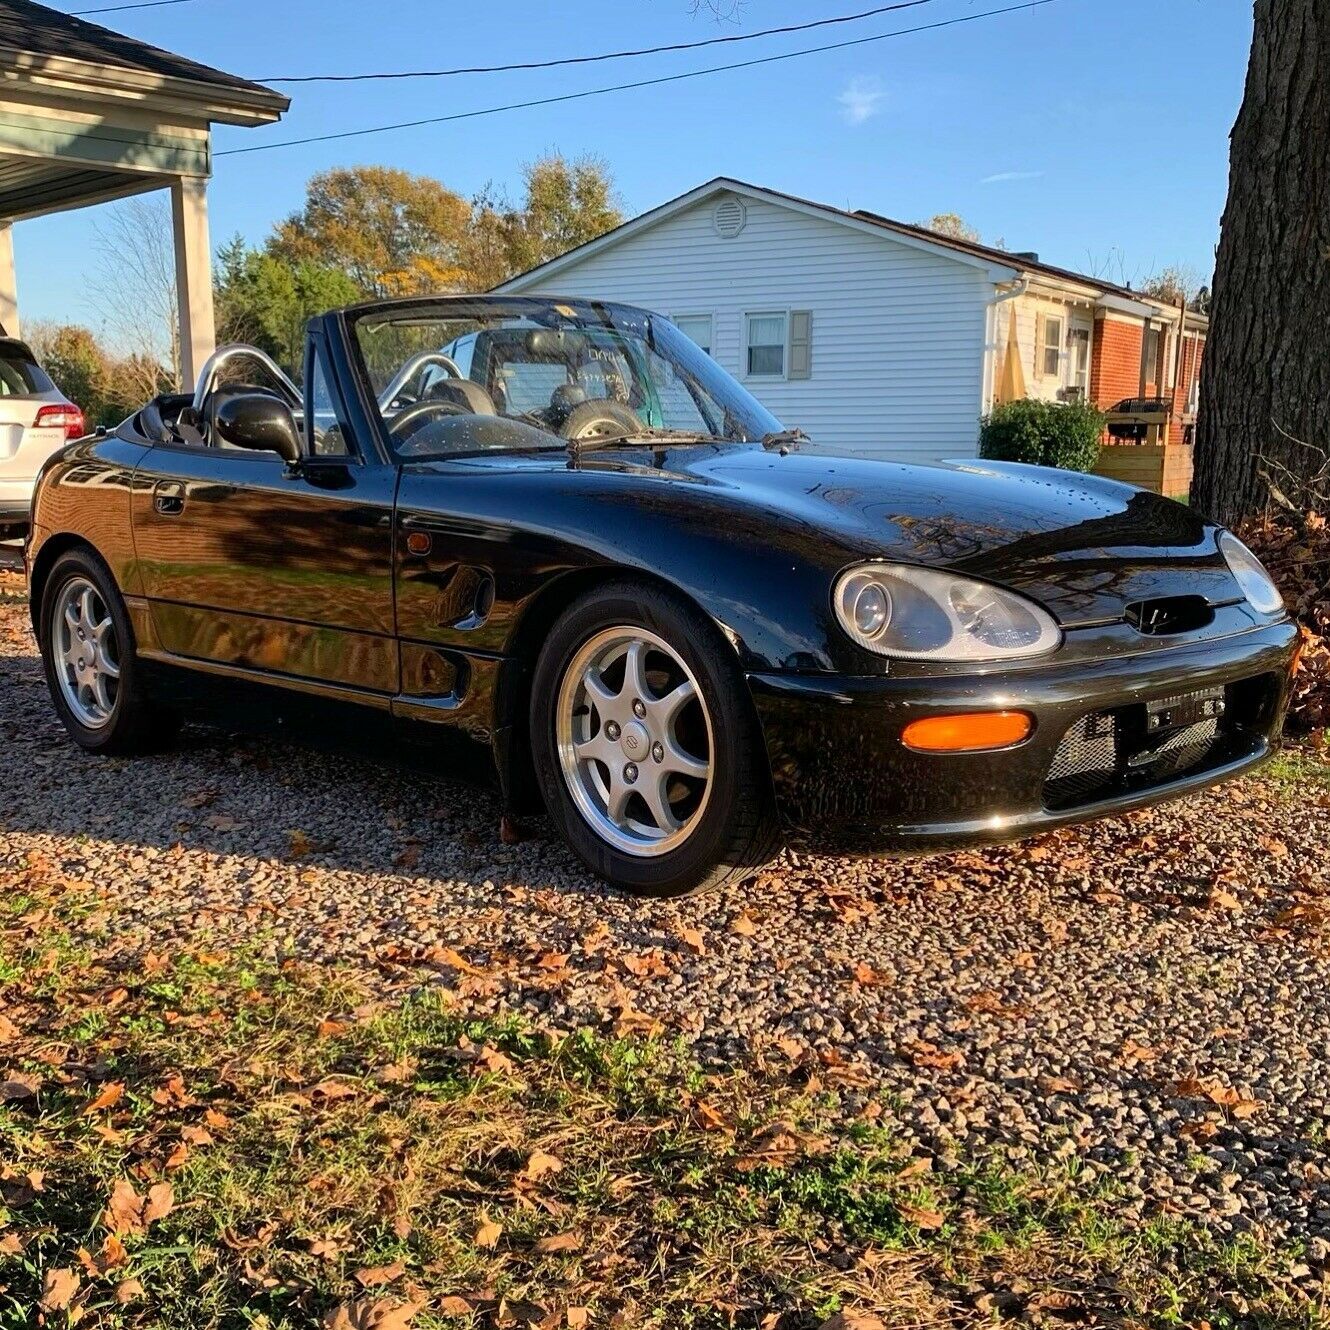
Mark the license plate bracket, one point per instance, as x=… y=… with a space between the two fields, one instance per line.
x=1165 y=714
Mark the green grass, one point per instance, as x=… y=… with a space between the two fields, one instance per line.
x=327 y=1147
x=1298 y=772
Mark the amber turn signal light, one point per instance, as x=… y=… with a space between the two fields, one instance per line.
x=968 y=732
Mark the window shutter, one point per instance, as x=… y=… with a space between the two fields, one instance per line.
x=801 y=344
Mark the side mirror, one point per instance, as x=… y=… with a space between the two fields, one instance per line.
x=260 y=422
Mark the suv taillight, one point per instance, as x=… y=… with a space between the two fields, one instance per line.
x=63 y=415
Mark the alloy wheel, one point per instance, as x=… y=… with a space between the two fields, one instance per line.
x=86 y=653
x=635 y=741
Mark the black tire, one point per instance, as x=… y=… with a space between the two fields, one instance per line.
x=595 y=419
x=736 y=831
x=136 y=723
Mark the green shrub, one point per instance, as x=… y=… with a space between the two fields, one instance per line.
x=1064 y=434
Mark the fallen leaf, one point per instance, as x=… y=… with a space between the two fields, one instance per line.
x=1141 y=1052
x=493 y=1060
x=220 y=822
x=869 y=977
x=112 y=1254
x=452 y=1305
x=577 y=1317
x=379 y=1314
x=160 y=1203
x=109 y=1097
x=1058 y=1085
x=124 y=1211
x=330 y=1089
x=744 y=925
x=1222 y=900
x=540 y=1165
x=559 y=1242
x=58 y=1289
x=19 y=1085
x=920 y=1217
x=487 y=1235
x=708 y=1117
x=11 y=1245
x=374 y=1275
x=854 y=1321
x=692 y=939
x=127 y=1291
x=299 y=844
x=923 y=1054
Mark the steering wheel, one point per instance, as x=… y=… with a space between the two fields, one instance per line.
x=407 y=422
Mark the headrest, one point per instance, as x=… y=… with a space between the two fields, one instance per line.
x=470 y=396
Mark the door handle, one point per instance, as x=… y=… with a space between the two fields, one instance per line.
x=168 y=498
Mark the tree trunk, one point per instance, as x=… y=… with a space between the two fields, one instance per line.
x=1265 y=390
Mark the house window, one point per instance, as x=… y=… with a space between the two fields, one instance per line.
x=1052 y=346
x=1150 y=357
x=1080 y=361
x=696 y=327
x=766 y=346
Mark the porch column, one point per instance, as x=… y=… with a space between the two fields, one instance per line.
x=193 y=274
x=8 y=282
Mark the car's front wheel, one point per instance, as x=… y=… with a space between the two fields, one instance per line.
x=646 y=746
x=88 y=652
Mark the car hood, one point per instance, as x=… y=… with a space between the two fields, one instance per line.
x=1082 y=546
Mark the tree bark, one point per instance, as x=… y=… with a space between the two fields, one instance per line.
x=1265 y=389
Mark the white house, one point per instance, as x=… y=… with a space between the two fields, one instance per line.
x=872 y=335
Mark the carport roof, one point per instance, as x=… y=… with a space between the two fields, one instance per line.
x=36 y=30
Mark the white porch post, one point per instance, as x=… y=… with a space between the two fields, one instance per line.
x=193 y=269
x=8 y=282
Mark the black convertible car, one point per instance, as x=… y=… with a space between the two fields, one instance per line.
x=556 y=533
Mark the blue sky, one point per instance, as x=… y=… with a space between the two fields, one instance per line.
x=1092 y=131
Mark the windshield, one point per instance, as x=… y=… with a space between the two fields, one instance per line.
x=512 y=374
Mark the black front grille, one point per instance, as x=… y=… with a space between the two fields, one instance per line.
x=1132 y=748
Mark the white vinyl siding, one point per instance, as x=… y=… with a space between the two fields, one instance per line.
x=896 y=334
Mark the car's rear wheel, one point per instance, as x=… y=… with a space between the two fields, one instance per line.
x=646 y=747
x=91 y=670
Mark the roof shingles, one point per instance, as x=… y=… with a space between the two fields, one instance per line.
x=34 y=29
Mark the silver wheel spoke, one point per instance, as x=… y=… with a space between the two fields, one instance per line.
x=600 y=692
x=654 y=791
x=620 y=794
x=635 y=671
x=614 y=744
x=86 y=607
x=109 y=668
x=684 y=763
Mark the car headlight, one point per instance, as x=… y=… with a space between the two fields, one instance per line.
x=927 y=614
x=1255 y=582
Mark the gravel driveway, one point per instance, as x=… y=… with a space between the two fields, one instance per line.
x=1149 y=995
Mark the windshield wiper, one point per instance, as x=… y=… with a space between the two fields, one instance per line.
x=647 y=437
x=784 y=440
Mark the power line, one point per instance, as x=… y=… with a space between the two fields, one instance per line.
x=589 y=59
x=627 y=87
x=139 y=4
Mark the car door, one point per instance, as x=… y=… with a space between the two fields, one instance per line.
x=251 y=565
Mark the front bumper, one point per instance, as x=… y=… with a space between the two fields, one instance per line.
x=844 y=781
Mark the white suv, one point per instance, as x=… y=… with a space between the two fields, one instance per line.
x=36 y=418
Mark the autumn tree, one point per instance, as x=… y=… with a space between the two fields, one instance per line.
x=266 y=300
x=1265 y=389
x=391 y=232
x=1177 y=284
x=951 y=224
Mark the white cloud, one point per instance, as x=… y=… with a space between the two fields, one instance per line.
x=1002 y=176
x=860 y=99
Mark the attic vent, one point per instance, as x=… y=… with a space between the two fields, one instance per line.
x=729 y=217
